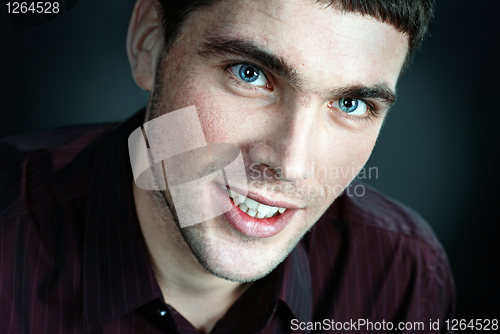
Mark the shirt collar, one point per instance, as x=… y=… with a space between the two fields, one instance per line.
x=289 y=286
x=117 y=275
x=296 y=288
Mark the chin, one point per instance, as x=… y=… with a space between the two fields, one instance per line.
x=238 y=275
x=227 y=254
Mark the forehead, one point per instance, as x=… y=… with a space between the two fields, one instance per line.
x=322 y=43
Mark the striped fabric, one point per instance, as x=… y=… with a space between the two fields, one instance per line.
x=73 y=260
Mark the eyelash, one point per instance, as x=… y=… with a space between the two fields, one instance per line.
x=373 y=111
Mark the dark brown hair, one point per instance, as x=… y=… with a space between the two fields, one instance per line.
x=408 y=16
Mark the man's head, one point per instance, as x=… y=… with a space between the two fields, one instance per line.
x=300 y=86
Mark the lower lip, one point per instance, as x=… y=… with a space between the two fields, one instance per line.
x=250 y=226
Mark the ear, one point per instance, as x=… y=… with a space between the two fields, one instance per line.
x=144 y=43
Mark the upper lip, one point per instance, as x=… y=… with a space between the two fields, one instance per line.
x=264 y=200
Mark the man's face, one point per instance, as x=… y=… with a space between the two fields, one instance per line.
x=302 y=90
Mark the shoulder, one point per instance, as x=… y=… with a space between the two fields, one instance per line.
x=29 y=161
x=367 y=209
x=369 y=233
x=370 y=246
x=364 y=219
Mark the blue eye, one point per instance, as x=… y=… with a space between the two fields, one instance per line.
x=351 y=106
x=249 y=74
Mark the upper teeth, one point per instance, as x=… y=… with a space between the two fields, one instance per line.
x=253 y=208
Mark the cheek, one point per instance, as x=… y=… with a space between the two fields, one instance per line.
x=339 y=162
x=184 y=87
x=221 y=117
x=218 y=117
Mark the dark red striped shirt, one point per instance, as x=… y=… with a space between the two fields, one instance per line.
x=73 y=260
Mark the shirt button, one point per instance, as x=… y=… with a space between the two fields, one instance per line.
x=161 y=312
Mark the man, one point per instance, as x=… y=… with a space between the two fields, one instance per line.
x=302 y=88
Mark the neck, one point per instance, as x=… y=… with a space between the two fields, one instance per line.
x=199 y=296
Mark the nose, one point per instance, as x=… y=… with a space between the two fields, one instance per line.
x=289 y=147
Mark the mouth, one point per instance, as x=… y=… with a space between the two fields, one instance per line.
x=253 y=218
x=252 y=207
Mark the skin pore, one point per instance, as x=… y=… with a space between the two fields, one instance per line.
x=310 y=64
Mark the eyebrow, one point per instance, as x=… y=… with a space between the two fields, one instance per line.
x=220 y=46
x=249 y=50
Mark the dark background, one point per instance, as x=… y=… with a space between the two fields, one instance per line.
x=437 y=152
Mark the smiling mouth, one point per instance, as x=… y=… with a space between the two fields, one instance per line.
x=253 y=208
